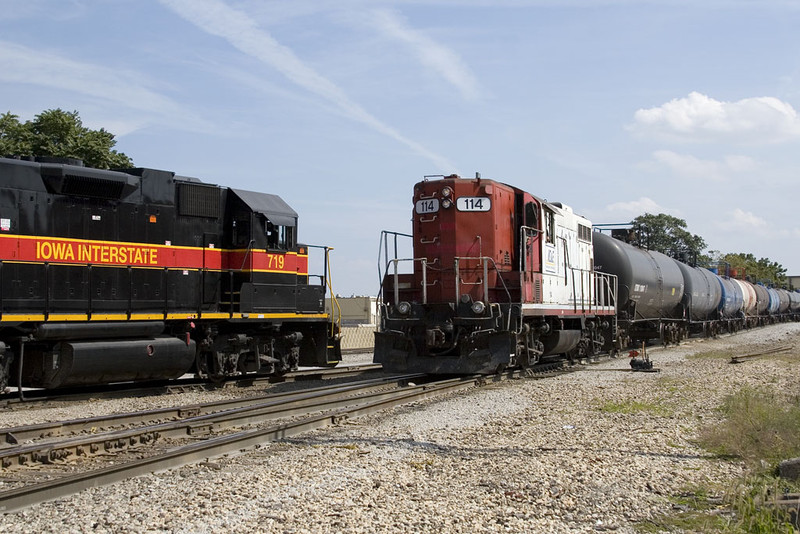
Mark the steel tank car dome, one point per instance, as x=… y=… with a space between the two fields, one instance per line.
x=650 y=283
x=702 y=292
x=732 y=298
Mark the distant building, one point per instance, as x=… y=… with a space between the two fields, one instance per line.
x=358 y=320
x=794 y=282
x=355 y=310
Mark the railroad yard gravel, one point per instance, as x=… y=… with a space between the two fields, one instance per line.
x=521 y=456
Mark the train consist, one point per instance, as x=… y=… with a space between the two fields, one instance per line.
x=501 y=278
x=110 y=276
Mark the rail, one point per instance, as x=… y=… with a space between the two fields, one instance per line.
x=335 y=405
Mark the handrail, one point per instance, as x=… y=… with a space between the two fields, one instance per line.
x=383 y=246
x=602 y=287
x=326 y=282
x=599 y=293
x=396 y=283
x=485 y=261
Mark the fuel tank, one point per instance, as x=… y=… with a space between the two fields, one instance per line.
x=701 y=294
x=650 y=283
x=76 y=363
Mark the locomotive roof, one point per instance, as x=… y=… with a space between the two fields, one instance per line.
x=272 y=206
x=557 y=207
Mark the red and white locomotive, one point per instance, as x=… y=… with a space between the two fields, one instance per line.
x=500 y=278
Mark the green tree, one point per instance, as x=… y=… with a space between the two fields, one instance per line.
x=668 y=235
x=59 y=133
x=760 y=270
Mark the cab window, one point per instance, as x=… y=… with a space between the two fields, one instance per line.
x=531 y=220
x=278 y=237
x=550 y=226
x=241 y=231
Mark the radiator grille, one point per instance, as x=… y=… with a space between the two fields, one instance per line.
x=199 y=200
x=86 y=186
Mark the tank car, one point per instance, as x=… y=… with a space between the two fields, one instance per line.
x=499 y=278
x=731 y=304
x=794 y=304
x=762 y=303
x=701 y=297
x=109 y=276
x=783 y=301
x=749 y=302
x=651 y=291
x=774 y=302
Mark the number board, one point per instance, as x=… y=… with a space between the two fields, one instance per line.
x=427 y=205
x=473 y=203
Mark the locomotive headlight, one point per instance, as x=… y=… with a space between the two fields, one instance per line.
x=446 y=203
x=478 y=307
x=446 y=192
x=403 y=308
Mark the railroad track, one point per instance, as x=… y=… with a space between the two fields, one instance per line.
x=38 y=458
x=181 y=386
x=768 y=352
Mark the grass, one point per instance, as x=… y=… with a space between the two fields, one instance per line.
x=760 y=427
x=739 y=511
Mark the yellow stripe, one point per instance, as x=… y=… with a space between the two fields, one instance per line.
x=211 y=315
x=174 y=316
x=8 y=317
x=68 y=317
x=21 y=317
x=109 y=317
x=147 y=316
x=281 y=315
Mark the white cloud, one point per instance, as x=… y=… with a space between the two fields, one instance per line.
x=241 y=31
x=740 y=219
x=701 y=118
x=702 y=169
x=432 y=54
x=637 y=207
x=115 y=87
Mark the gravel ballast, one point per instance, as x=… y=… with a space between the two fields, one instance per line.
x=521 y=456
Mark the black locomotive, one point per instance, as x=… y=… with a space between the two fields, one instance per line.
x=109 y=276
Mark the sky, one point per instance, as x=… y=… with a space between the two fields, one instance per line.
x=614 y=107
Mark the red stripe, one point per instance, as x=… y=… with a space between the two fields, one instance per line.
x=83 y=252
